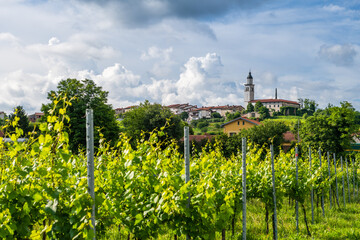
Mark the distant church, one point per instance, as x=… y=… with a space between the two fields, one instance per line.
x=272 y=104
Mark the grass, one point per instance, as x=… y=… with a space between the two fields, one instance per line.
x=338 y=224
x=211 y=129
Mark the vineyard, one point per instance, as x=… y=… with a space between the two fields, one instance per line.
x=142 y=193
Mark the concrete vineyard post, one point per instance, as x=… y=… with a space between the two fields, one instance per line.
x=297 y=178
x=347 y=178
x=187 y=164
x=329 y=168
x=312 y=191
x=336 y=182
x=322 y=191
x=90 y=162
x=244 y=186
x=343 y=181
x=274 y=191
x=353 y=166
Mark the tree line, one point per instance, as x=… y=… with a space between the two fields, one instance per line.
x=331 y=129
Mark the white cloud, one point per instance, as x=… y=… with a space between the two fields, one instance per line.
x=200 y=74
x=333 y=8
x=8 y=37
x=155 y=52
x=53 y=41
x=154 y=60
x=340 y=55
x=80 y=47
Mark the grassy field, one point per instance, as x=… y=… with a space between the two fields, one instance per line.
x=290 y=120
x=213 y=128
x=338 y=224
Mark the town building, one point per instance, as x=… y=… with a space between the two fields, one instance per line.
x=2 y=115
x=177 y=109
x=123 y=110
x=235 y=126
x=274 y=105
x=35 y=117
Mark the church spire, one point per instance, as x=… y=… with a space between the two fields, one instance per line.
x=249 y=89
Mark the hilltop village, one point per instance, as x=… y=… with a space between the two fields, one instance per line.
x=193 y=112
x=253 y=111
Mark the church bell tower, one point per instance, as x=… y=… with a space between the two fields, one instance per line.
x=249 y=89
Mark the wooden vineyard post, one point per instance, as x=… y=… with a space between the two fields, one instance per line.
x=187 y=165
x=329 y=168
x=322 y=191
x=274 y=192
x=244 y=187
x=347 y=178
x=312 y=191
x=90 y=163
x=297 y=178
x=343 y=181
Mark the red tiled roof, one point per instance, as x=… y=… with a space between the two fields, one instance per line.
x=273 y=100
x=253 y=121
x=243 y=118
x=173 y=105
x=203 y=108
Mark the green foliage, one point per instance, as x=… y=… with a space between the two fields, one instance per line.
x=264 y=112
x=269 y=132
x=307 y=106
x=148 y=117
x=83 y=94
x=288 y=111
x=258 y=105
x=216 y=115
x=22 y=122
x=203 y=124
x=184 y=116
x=231 y=116
x=44 y=191
x=250 y=108
x=140 y=190
x=330 y=129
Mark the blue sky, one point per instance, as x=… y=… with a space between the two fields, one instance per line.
x=180 y=51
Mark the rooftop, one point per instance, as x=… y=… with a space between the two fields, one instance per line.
x=273 y=100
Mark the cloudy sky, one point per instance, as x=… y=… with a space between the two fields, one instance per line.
x=184 y=51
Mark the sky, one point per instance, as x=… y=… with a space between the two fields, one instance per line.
x=185 y=51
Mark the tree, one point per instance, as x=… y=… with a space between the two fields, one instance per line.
x=307 y=106
x=184 y=116
x=269 y=132
x=23 y=122
x=258 y=105
x=148 y=117
x=231 y=116
x=250 y=108
x=330 y=129
x=84 y=94
x=215 y=115
x=264 y=112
